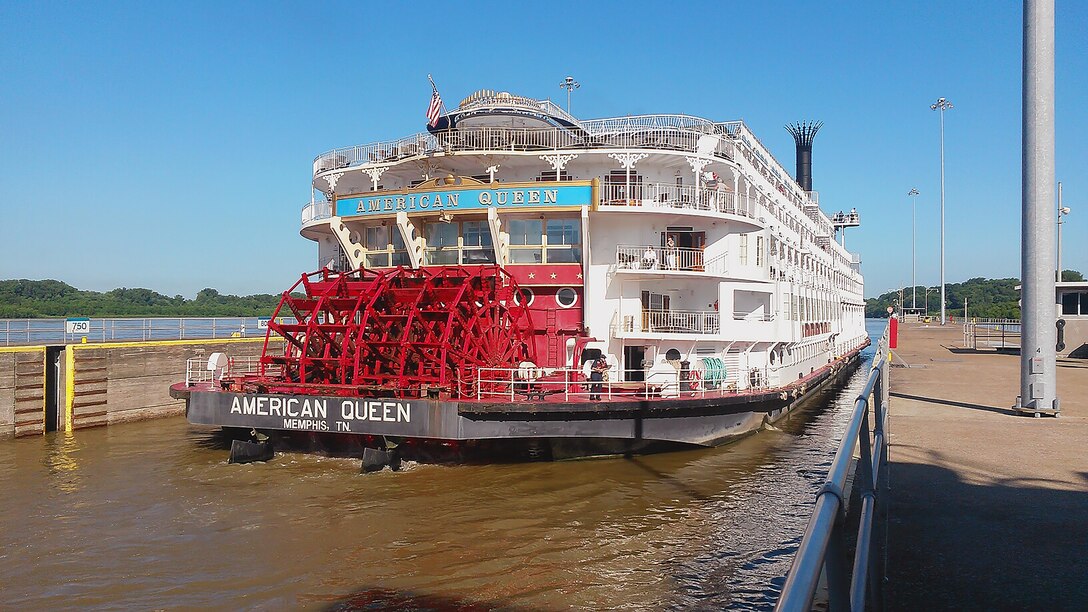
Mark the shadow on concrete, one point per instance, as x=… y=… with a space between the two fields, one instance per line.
x=1003 y=546
x=935 y=400
x=389 y=599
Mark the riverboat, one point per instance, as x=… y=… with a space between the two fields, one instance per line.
x=518 y=280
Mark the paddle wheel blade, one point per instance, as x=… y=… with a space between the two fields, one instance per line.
x=394 y=333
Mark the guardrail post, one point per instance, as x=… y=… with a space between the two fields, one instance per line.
x=838 y=577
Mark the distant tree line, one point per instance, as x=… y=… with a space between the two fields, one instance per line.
x=27 y=299
x=986 y=298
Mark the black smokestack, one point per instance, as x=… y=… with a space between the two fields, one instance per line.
x=803 y=133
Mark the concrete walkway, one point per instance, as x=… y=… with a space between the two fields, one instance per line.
x=989 y=510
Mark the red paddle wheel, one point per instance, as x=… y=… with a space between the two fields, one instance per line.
x=394 y=333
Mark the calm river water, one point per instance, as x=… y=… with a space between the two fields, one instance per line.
x=151 y=516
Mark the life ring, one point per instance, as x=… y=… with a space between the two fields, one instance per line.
x=693 y=380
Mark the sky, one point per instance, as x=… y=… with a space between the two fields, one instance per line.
x=170 y=145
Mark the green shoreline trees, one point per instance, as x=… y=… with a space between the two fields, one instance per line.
x=30 y=299
x=986 y=298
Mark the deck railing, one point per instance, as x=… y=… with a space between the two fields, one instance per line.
x=670 y=322
x=315 y=211
x=567 y=384
x=656 y=258
x=672 y=138
x=46 y=331
x=665 y=195
x=823 y=548
x=197 y=369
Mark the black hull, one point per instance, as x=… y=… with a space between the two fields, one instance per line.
x=434 y=430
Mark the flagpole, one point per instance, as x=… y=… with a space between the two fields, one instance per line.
x=441 y=102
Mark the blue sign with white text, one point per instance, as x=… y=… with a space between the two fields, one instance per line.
x=453 y=200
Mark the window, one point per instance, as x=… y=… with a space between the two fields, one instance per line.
x=744 y=249
x=1070 y=301
x=524 y=297
x=385 y=247
x=545 y=241
x=617 y=188
x=564 y=240
x=477 y=247
x=566 y=297
x=759 y=251
x=525 y=240
x=441 y=243
x=550 y=175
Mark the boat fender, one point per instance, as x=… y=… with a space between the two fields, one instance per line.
x=244 y=451
x=784 y=395
x=375 y=459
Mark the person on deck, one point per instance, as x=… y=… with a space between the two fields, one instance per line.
x=597 y=370
x=649 y=259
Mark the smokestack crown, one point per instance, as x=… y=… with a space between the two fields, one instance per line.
x=803 y=133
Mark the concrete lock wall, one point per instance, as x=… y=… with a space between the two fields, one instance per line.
x=127 y=381
x=22 y=391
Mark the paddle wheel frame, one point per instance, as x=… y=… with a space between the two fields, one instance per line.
x=393 y=333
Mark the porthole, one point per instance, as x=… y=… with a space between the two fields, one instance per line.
x=672 y=355
x=524 y=297
x=566 y=297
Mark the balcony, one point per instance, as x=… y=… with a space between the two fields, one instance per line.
x=687 y=322
x=669 y=197
x=316 y=211
x=646 y=259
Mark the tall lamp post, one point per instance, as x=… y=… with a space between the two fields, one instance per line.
x=570 y=85
x=928 y=289
x=1062 y=212
x=942 y=104
x=913 y=193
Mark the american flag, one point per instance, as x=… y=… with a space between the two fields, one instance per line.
x=435 y=109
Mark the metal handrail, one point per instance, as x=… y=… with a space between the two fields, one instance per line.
x=518 y=383
x=117 y=329
x=822 y=548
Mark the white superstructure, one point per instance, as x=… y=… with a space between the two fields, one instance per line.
x=697 y=245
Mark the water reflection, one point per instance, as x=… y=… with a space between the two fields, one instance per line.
x=150 y=515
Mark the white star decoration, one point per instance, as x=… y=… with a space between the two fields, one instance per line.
x=532 y=275
x=579 y=275
x=553 y=275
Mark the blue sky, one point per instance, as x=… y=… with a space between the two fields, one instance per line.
x=169 y=145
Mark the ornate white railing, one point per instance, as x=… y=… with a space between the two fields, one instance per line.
x=670 y=322
x=672 y=138
x=655 y=258
x=315 y=211
x=684 y=197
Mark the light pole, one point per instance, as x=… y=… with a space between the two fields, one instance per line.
x=570 y=85
x=928 y=289
x=1062 y=212
x=913 y=193
x=942 y=104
